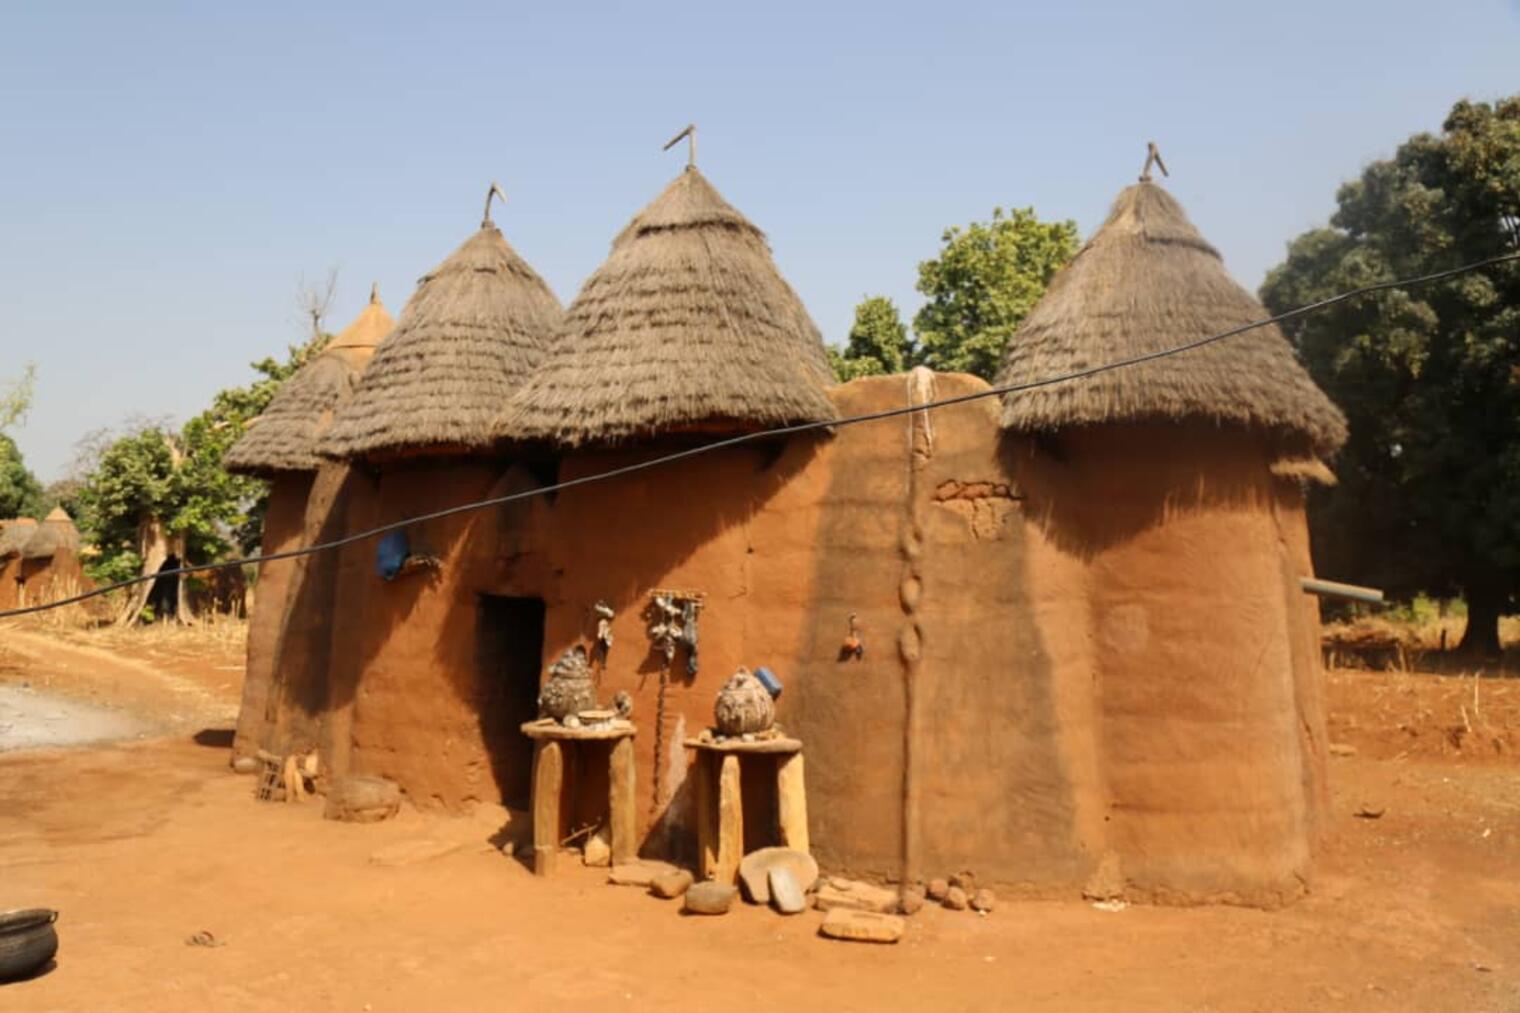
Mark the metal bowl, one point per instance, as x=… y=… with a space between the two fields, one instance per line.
x=27 y=941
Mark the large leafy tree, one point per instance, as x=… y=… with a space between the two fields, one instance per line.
x=985 y=280
x=20 y=492
x=878 y=342
x=1429 y=376
x=152 y=491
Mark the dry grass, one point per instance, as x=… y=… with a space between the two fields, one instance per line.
x=1144 y=282
x=686 y=325
x=477 y=325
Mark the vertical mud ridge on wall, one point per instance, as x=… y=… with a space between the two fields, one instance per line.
x=910 y=592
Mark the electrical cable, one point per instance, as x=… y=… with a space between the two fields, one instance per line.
x=787 y=430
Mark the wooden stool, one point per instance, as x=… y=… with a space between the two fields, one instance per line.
x=720 y=802
x=549 y=780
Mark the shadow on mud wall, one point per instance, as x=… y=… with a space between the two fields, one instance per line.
x=299 y=691
x=1095 y=487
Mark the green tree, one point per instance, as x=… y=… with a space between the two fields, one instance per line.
x=986 y=279
x=20 y=492
x=878 y=342
x=16 y=398
x=151 y=492
x=1429 y=377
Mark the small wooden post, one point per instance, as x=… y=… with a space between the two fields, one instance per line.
x=707 y=813
x=548 y=780
x=620 y=801
x=791 y=802
x=730 y=821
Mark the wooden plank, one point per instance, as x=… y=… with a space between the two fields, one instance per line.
x=548 y=781
x=730 y=822
x=707 y=815
x=791 y=802
x=621 y=803
x=776 y=745
x=548 y=728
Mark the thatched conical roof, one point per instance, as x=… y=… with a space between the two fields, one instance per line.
x=56 y=532
x=686 y=326
x=476 y=326
x=284 y=437
x=1147 y=280
x=15 y=534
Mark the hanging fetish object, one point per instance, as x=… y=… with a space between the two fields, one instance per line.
x=853 y=646
x=689 y=609
x=674 y=625
x=603 y=646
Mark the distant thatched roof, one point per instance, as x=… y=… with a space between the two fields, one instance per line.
x=1147 y=280
x=476 y=326
x=284 y=437
x=686 y=326
x=15 y=534
x=56 y=532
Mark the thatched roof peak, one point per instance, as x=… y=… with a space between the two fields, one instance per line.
x=477 y=325
x=1147 y=280
x=56 y=532
x=686 y=327
x=284 y=437
x=15 y=534
x=368 y=329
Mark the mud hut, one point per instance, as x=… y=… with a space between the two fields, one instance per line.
x=1068 y=679
x=280 y=447
x=1175 y=483
x=45 y=565
x=419 y=435
x=14 y=534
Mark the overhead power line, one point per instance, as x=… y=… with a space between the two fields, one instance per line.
x=800 y=427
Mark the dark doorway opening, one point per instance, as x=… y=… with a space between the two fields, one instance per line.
x=510 y=657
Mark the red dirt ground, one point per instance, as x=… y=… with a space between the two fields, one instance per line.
x=142 y=844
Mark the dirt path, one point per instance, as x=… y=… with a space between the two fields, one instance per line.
x=142 y=844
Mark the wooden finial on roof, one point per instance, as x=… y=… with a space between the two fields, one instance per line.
x=495 y=191
x=1152 y=157
x=690 y=133
x=374 y=292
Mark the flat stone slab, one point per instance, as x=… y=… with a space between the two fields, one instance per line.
x=786 y=895
x=851 y=895
x=672 y=884
x=862 y=926
x=641 y=873
x=710 y=898
x=755 y=868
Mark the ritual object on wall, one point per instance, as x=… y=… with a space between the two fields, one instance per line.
x=604 y=615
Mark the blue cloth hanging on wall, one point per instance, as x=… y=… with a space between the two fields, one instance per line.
x=390 y=554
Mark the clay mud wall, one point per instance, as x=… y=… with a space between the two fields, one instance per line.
x=1076 y=649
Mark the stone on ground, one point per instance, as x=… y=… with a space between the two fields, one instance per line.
x=983 y=900
x=785 y=894
x=755 y=868
x=845 y=893
x=966 y=881
x=640 y=873
x=937 y=889
x=672 y=884
x=1107 y=880
x=955 y=899
x=598 y=850
x=862 y=926
x=710 y=898
x=911 y=900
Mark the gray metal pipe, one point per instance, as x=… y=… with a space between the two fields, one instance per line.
x=1333 y=589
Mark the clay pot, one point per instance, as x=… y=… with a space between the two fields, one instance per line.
x=570 y=688
x=744 y=706
x=27 y=942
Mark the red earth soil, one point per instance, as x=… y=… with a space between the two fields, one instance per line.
x=140 y=845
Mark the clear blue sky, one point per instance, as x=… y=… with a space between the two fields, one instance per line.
x=169 y=171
